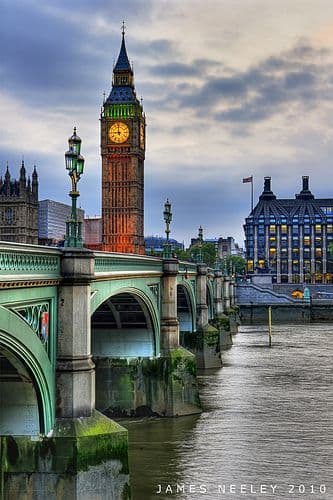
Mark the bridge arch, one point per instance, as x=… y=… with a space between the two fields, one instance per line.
x=27 y=379
x=186 y=307
x=125 y=324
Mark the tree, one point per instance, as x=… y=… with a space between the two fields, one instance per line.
x=236 y=263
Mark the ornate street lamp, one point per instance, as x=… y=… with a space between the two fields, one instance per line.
x=200 y=240
x=167 y=214
x=74 y=164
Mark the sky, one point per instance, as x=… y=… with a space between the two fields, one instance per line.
x=231 y=88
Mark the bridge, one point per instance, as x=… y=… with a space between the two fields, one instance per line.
x=89 y=335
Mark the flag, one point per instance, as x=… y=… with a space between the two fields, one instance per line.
x=247 y=179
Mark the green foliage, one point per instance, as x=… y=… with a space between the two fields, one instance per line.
x=235 y=263
x=192 y=254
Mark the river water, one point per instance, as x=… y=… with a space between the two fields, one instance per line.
x=266 y=430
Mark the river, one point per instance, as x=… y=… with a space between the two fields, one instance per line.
x=266 y=430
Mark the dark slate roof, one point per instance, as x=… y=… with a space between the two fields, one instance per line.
x=124 y=94
x=122 y=63
x=291 y=207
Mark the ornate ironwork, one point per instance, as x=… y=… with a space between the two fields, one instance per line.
x=27 y=263
x=38 y=318
x=155 y=289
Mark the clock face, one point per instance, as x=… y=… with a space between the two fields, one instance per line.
x=142 y=136
x=119 y=132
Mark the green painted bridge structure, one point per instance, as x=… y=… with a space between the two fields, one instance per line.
x=85 y=336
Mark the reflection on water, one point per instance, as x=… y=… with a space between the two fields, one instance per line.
x=267 y=424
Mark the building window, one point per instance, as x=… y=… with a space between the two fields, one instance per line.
x=250 y=266
x=284 y=228
x=8 y=216
x=318 y=228
x=272 y=229
x=330 y=228
x=306 y=240
x=318 y=252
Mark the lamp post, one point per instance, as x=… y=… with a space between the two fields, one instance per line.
x=200 y=240
x=74 y=164
x=167 y=214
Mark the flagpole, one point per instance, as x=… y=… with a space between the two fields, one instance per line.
x=251 y=193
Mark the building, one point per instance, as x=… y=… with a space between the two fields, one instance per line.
x=290 y=238
x=52 y=222
x=224 y=246
x=93 y=232
x=228 y=246
x=19 y=207
x=156 y=244
x=123 y=153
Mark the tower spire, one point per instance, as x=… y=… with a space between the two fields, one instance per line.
x=122 y=63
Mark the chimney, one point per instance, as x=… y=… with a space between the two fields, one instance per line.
x=305 y=194
x=305 y=183
x=267 y=184
x=267 y=193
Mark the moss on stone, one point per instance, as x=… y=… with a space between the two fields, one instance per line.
x=75 y=445
x=221 y=323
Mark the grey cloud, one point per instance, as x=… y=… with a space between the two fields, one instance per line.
x=299 y=79
x=175 y=69
x=267 y=88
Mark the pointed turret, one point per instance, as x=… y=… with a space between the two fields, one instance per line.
x=22 y=172
x=123 y=80
x=20 y=189
x=7 y=182
x=34 y=188
x=123 y=63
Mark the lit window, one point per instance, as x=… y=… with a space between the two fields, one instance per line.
x=306 y=240
x=272 y=229
x=330 y=228
x=250 y=266
x=318 y=252
x=318 y=228
x=284 y=228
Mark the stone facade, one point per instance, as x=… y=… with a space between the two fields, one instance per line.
x=19 y=207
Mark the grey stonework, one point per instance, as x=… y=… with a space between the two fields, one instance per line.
x=19 y=207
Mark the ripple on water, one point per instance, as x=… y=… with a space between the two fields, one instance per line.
x=267 y=420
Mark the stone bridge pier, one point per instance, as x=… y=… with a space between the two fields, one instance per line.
x=212 y=329
x=162 y=383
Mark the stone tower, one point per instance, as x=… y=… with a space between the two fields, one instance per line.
x=19 y=208
x=123 y=153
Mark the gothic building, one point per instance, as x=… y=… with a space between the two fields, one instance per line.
x=123 y=153
x=291 y=239
x=19 y=208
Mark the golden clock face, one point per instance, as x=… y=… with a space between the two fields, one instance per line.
x=119 y=132
x=142 y=136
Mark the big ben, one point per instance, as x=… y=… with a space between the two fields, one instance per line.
x=123 y=153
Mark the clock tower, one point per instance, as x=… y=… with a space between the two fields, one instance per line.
x=123 y=153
